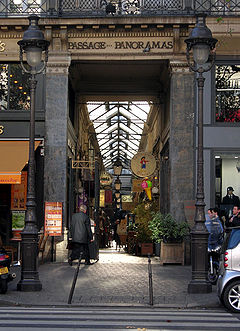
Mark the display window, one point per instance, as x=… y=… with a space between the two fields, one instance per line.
x=227 y=172
x=227 y=93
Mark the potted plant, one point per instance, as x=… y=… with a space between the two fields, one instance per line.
x=143 y=215
x=170 y=233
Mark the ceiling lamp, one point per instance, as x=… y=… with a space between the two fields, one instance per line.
x=117 y=167
x=117 y=184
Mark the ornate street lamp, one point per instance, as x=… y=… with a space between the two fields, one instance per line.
x=117 y=194
x=117 y=167
x=33 y=45
x=202 y=45
x=117 y=184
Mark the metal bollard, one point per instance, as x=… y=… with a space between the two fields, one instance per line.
x=150 y=282
x=74 y=279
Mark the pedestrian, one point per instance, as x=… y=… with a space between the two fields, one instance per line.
x=235 y=219
x=215 y=229
x=81 y=233
x=230 y=198
x=216 y=216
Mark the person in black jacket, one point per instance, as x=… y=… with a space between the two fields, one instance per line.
x=81 y=233
x=230 y=198
x=235 y=219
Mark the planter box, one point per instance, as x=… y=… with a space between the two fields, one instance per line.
x=172 y=253
x=146 y=248
x=157 y=249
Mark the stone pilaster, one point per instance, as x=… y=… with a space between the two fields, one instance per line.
x=55 y=161
x=181 y=145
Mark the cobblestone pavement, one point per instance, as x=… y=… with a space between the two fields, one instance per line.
x=117 y=278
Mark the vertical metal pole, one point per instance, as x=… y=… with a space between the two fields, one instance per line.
x=199 y=282
x=29 y=245
x=150 y=283
x=96 y=209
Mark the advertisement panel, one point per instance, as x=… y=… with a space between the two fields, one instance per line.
x=53 y=218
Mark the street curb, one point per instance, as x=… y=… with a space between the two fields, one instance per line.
x=107 y=305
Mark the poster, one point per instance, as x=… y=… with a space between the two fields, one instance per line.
x=53 y=219
x=18 y=219
x=19 y=193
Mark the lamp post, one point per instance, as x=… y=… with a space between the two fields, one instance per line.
x=32 y=44
x=117 y=167
x=117 y=194
x=202 y=45
x=117 y=184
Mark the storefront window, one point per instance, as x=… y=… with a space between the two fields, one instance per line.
x=227 y=171
x=14 y=88
x=228 y=93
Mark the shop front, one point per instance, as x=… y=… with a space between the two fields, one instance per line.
x=13 y=190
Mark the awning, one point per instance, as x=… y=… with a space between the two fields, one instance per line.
x=13 y=157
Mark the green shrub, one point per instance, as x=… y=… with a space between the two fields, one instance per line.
x=166 y=228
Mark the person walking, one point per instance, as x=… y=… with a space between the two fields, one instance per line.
x=80 y=230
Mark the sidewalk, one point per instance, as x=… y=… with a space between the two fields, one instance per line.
x=117 y=279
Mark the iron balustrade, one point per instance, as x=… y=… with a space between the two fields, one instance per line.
x=103 y=8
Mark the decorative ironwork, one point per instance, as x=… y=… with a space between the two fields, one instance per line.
x=228 y=93
x=95 y=8
x=118 y=127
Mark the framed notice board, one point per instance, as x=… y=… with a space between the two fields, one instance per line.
x=53 y=218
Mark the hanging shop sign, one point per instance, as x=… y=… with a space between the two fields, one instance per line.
x=102 y=199
x=136 y=185
x=143 y=164
x=126 y=198
x=147 y=186
x=108 y=197
x=106 y=179
x=19 y=193
x=53 y=219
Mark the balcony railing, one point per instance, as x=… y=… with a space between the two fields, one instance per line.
x=102 y=8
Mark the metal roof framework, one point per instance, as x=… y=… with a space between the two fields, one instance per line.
x=118 y=128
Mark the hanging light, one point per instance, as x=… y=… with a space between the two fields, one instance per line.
x=117 y=184
x=117 y=167
x=117 y=194
x=200 y=41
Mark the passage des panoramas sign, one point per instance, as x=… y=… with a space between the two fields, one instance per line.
x=53 y=218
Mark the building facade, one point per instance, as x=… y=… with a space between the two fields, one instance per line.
x=103 y=51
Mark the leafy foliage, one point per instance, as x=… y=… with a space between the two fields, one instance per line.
x=143 y=216
x=166 y=228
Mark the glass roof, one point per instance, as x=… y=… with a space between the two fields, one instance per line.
x=118 y=127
